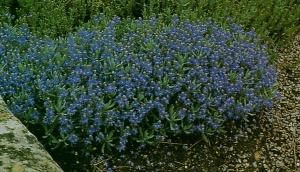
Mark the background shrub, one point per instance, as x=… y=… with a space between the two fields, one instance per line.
x=274 y=20
x=5 y=13
x=94 y=91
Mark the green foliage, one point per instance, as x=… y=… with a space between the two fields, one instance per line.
x=5 y=14
x=95 y=92
x=44 y=18
x=274 y=20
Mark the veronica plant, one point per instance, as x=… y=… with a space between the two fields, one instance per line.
x=156 y=81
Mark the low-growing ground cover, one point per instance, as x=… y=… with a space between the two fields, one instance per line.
x=97 y=92
x=268 y=142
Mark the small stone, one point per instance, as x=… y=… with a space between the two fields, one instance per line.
x=279 y=164
x=18 y=168
x=249 y=130
x=257 y=155
x=254 y=164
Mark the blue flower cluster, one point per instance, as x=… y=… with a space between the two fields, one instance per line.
x=100 y=91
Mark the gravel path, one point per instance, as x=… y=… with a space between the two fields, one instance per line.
x=269 y=142
x=286 y=126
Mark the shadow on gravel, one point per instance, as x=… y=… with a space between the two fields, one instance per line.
x=238 y=149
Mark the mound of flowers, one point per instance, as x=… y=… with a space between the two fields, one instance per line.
x=98 y=90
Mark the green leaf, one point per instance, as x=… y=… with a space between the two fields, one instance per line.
x=141 y=96
x=205 y=138
x=103 y=147
x=59 y=106
x=186 y=128
x=110 y=135
x=171 y=109
x=165 y=80
x=145 y=136
x=108 y=105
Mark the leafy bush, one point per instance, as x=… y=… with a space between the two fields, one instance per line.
x=274 y=20
x=5 y=15
x=95 y=91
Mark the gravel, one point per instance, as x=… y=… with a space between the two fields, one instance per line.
x=270 y=141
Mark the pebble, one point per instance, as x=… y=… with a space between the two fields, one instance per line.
x=279 y=164
x=254 y=164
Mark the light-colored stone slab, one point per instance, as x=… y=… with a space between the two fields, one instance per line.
x=20 y=150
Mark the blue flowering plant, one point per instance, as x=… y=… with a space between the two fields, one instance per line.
x=99 y=91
